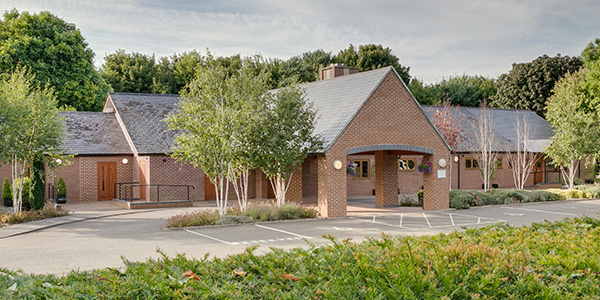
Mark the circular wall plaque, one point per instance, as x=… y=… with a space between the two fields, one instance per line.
x=442 y=163
x=337 y=164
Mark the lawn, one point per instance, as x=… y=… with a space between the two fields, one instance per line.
x=544 y=261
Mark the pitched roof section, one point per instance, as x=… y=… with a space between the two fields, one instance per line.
x=338 y=100
x=93 y=133
x=143 y=115
x=505 y=129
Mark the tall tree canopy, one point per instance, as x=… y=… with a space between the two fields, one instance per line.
x=529 y=85
x=56 y=53
x=591 y=52
x=464 y=90
x=129 y=73
x=371 y=57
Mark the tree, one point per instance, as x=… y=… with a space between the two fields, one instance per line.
x=486 y=145
x=573 y=111
x=591 y=52
x=30 y=127
x=216 y=118
x=371 y=57
x=425 y=94
x=529 y=85
x=129 y=73
x=57 y=53
x=38 y=183
x=464 y=90
x=521 y=158
x=447 y=121
x=287 y=137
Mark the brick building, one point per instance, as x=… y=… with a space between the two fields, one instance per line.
x=369 y=118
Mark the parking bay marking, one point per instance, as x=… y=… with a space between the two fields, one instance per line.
x=540 y=211
x=452 y=221
x=296 y=237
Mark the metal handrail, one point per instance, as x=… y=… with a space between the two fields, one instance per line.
x=132 y=185
x=51 y=190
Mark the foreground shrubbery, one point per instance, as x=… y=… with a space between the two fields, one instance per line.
x=30 y=215
x=545 y=261
x=236 y=216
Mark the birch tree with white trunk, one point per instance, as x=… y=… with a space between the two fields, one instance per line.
x=287 y=137
x=520 y=157
x=29 y=127
x=486 y=146
x=448 y=123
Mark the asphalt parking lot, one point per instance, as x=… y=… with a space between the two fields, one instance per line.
x=99 y=242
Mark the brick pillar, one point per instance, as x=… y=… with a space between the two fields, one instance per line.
x=261 y=184
x=386 y=179
x=294 y=192
x=332 y=187
x=436 y=194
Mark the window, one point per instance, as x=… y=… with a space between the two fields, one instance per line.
x=471 y=164
x=406 y=164
x=362 y=169
x=499 y=163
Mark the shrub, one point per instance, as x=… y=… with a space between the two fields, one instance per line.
x=199 y=218
x=290 y=211
x=461 y=200
x=28 y=216
x=7 y=193
x=25 y=192
x=233 y=220
x=38 y=182
x=591 y=191
x=503 y=196
x=420 y=198
x=309 y=213
x=61 y=187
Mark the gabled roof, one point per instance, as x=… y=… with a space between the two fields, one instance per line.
x=143 y=116
x=338 y=100
x=504 y=125
x=93 y=133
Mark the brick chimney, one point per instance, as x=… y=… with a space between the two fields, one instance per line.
x=336 y=70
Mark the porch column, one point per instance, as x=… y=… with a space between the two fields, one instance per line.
x=386 y=179
x=332 y=187
x=436 y=191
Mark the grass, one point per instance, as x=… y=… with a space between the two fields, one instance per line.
x=30 y=215
x=262 y=213
x=544 y=261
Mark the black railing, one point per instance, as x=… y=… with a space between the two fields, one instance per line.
x=132 y=191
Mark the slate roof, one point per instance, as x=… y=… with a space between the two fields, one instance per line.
x=93 y=133
x=504 y=123
x=338 y=100
x=143 y=116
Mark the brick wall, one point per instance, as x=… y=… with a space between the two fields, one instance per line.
x=390 y=116
x=72 y=177
x=166 y=170
x=5 y=172
x=310 y=177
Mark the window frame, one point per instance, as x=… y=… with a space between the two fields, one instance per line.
x=474 y=163
x=359 y=163
x=499 y=164
x=408 y=169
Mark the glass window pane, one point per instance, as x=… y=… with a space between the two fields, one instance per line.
x=411 y=164
x=467 y=163
x=365 y=169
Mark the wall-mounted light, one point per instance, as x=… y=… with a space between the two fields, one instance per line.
x=456 y=159
x=125 y=161
x=58 y=161
x=337 y=164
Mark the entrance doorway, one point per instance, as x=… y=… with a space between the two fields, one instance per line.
x=143 y=181
x=538 y=171
x=107 y=177
x=209 y=189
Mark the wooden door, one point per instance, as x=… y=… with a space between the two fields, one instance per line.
x=143 y=181
x=209 y=189
x=538 y=171
x=107 y=177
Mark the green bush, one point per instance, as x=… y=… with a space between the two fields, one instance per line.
x=7 y=193
x=199 y=218
x=504 y=196
x=233 y=220
x=38 y=183
x=290 y=211
x=25 y=193
x=591 y=191
x=462 y=201
x=28 y=216
x=61 y=187
x=420 y=198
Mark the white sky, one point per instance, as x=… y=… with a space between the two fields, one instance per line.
x=435 y=38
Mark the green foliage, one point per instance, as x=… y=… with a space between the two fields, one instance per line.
x=529 y=85
x=465 y=90
x=420 y=197
x=233 y=220
x=61 y=187
x=135 y=72
x=26 y=190
x=591 y=191
x=29 y=216
x=58 y=55
x=38 y=184
x=545 y=261
x=461 y=200
x=371 y=57
x=262 y=213
x=6 y=189
x=591 y=53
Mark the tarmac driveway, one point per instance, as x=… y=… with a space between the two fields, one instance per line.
x=99 y=241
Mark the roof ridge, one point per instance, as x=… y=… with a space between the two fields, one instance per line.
x=144 y=94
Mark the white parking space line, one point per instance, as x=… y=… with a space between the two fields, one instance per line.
x=452 y=220
x=424 y=216
x=381 y=223
x=540 y=211
x=283 y=231
x=401 y=217
x=210 y=237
